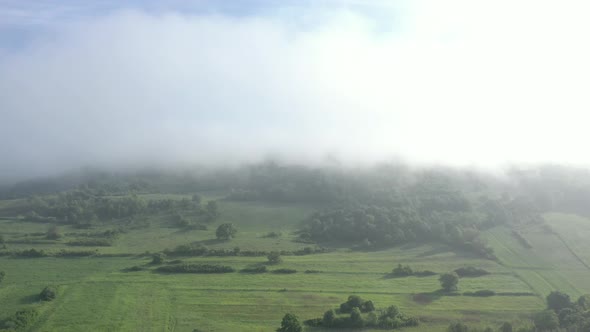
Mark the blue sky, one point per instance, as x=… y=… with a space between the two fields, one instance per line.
x=22 y=20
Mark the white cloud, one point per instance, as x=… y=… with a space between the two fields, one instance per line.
x=459 y=82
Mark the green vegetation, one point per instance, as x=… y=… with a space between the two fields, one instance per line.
x=144 y=253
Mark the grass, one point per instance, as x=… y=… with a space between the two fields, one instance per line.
x=95 y=293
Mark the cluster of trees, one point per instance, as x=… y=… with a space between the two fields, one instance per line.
x=358 y=313
x=376 y=226
x=406 y=271
x=82 y=208
x=25 y=318
x=563 y=313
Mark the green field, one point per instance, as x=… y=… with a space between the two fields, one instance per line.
x=95 y=294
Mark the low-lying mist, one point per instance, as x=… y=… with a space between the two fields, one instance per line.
x=428 y=84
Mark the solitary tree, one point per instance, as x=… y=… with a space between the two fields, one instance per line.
x=226 y=231
x=290 y=323
x=48 y=293
x=449 y=281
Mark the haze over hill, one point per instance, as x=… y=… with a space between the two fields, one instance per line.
x=459 y=83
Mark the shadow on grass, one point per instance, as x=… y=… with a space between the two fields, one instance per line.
x=29 y=299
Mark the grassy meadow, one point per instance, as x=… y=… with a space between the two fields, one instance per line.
x=97 y=293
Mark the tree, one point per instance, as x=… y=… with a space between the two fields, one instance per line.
x=584 y=302
x=53 y=233
x=356 y=318
x=48 y=293
x=290 y=323
x=546 y=320
x=449 y=281
x=558 y=300
x=274 y=257
x=2 y=275
x=226 y=231
x=158 y=258
x=329 y=317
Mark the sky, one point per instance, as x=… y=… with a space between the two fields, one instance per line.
x=461 y=82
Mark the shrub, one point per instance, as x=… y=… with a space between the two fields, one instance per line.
x=273 y=235
x=48 y=293
x=78 y=253
x=312 y=271
x=195 y=268
x=53 y=233
x=158 y=258
x=284 y=271
x=470 y=271
x=481 y=293
x=88 y=242
x=21 y=319
x=135 y=268
x=425 y=273
x=255 y=269
x=31 y=253
x=274 y=258
x=402 y=271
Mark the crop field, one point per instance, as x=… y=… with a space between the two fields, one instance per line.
x=555 y=257
x=98 y=293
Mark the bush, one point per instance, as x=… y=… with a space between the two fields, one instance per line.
x=312 y=271
x=135 y=268
x=402 y=271
x=48 y=293
x=481 y=293
x=195 y=268
x=290 y=323
x=91 y=242
x=470 y=271
x=255 y=269
x=284 y=271
x=449 y=281
x=31 y=253
x=53 y=233
x=70 y=253
x=273 y=235
x=21 y=319
x=158 y=258
x=425 y=273
x=274 y=258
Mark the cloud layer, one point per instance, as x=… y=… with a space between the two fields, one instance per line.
x=457 y=83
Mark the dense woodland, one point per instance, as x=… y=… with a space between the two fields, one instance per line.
x=364 y=208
